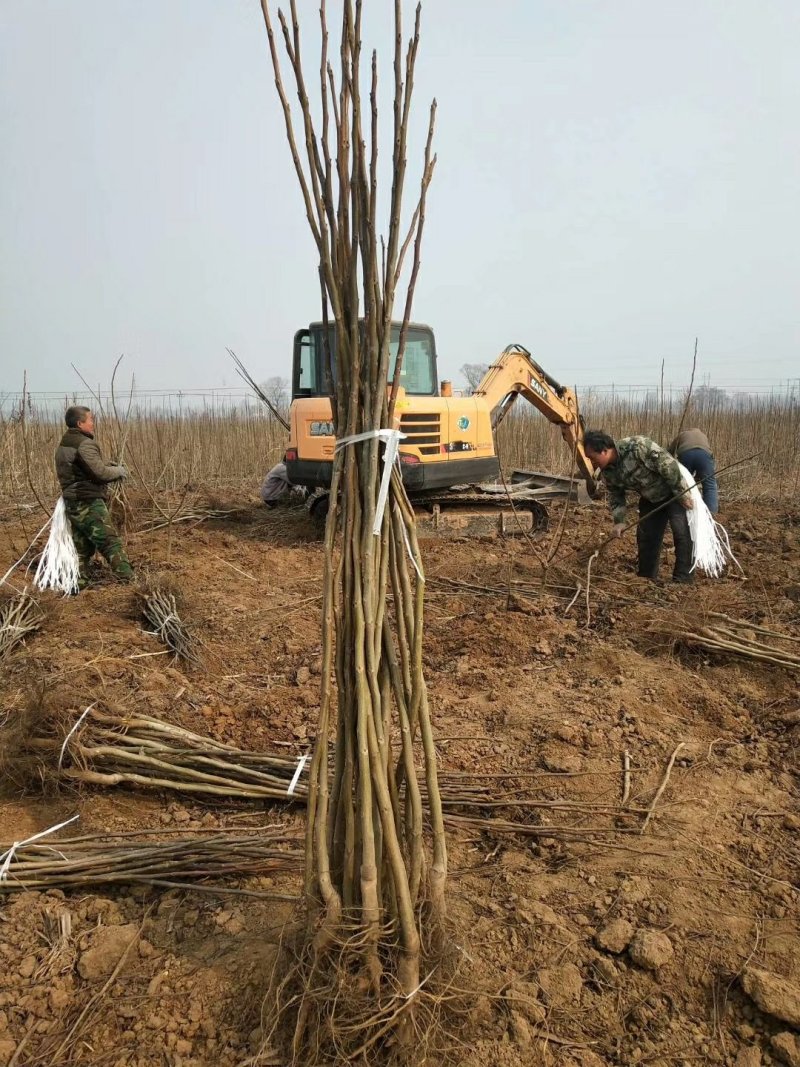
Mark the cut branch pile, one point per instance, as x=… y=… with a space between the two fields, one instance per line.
x=19 y=616
x=114 y=859
x=738 y=637
x=196 y=516
x=161 y=611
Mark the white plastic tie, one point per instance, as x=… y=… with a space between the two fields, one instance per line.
x=301 y=762
x=391 y=440
x=72 y=731
x=59 y=566
x=7 y=858
x=711 y=549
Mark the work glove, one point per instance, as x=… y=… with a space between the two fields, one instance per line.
x=121 y=471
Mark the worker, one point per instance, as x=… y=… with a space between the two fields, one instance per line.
x=275 y=485
x=693 y=450
x=85 y=477
x=640 y=465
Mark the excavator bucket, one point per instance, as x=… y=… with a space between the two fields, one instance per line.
x=548 y=486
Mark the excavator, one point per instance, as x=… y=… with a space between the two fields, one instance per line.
x=448 y=456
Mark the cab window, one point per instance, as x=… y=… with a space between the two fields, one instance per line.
x=305 y=364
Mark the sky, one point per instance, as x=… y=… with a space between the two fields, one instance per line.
x=613 y=180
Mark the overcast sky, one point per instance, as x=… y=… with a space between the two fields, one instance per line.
x=614 y=179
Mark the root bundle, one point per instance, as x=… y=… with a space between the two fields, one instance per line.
x=161 y=611
x=19 y=616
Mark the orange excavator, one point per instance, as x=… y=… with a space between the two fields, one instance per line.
x=448 y=455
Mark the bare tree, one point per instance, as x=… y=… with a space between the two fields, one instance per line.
x=473 y=373
x=375 y=875
x=276 y=389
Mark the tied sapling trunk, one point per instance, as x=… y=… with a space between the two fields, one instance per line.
x=376 y=857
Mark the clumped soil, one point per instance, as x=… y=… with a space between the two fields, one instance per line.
x=679 y=945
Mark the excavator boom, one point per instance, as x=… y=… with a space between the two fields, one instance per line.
x=516 y=373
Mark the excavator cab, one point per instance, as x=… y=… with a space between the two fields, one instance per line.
x=310 y=370
x=447 y=452
x=446 y=440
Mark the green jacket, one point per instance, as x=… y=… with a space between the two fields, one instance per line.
x=641 y=467
x=80 y=467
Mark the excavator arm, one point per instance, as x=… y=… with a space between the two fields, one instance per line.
x=515 y=373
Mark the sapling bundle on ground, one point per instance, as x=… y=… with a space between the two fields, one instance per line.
x=19 y=616
x=201 y=862
x=109 y=749
x=743 y=639
x=722 y=634
x=104 y=748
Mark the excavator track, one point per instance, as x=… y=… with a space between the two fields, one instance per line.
x=519 y=509
x=480 y=511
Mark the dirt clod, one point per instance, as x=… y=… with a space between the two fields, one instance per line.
x=521 y=1030
x=535 y=912
x=523 y=999
x=748 y=1057
x=560 y=761
x=110 y=942
x=650 y=949
x=561 y=986
x=773 y=994
x=786 y=1047
x=615 y=936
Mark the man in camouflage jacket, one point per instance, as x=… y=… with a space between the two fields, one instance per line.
x=85 y=479
x=639 y=465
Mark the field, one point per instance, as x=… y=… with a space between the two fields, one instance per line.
x=585 y=936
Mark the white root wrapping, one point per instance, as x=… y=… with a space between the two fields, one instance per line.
x=59 y=566
x=711 y=549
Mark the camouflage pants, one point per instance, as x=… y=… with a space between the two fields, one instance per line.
x=92 y=532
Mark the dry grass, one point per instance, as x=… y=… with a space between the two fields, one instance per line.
x=166 y=451
x=178 y=453
x=765 y=425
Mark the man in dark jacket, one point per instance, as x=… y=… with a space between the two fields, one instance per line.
x=640 y=465
x=85 y=478
x=693 y=449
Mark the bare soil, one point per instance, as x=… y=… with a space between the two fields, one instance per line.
x=613 y=947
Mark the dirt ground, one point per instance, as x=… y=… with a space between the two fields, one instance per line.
x=606 y=947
